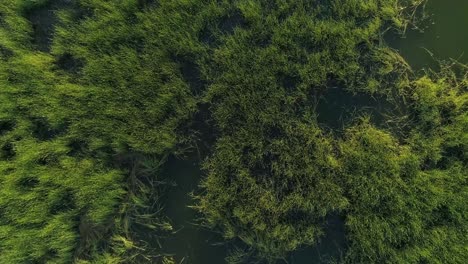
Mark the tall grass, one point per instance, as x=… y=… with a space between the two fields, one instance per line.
x=87 y=123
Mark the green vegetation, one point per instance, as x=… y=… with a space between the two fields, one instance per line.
x=96 y=94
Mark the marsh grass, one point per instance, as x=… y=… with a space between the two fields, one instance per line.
x=299 y=111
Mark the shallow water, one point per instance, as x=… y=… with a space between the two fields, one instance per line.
x=444 y=36
x=330 y=248
x=190 y=243
x=337 y=108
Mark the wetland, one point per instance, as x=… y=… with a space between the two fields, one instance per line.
x=232 y=132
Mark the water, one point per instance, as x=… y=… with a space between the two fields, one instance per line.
x=191 y=243
x=337 y=108
x=330 y=248
x=445 y=35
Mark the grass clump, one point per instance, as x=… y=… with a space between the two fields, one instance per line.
x=65 y=133
x=95 y=97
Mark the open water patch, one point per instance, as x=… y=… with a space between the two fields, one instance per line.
x=329 y=249
x=337 y=108
x=437 y=37
x=190 y=243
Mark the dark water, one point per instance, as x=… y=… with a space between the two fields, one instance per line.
x=445 y=35
x=337 y=108
x=190 y=243
x=330 y=248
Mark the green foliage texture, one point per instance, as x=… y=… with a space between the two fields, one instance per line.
x=95 y=94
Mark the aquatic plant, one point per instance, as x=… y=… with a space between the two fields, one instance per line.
x=96 y=94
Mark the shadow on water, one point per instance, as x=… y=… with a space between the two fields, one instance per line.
x=191 y=243
x=444 y=35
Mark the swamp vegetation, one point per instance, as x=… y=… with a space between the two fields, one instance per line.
x=228 y=131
